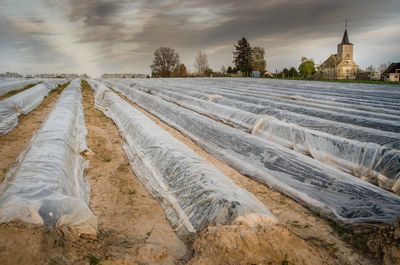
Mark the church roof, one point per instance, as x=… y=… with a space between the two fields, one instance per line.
x=345 y=39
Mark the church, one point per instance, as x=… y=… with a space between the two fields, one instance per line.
x=340 y=65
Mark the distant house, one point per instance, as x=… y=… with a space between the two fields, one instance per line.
x=340 y=65
x=239 y=74
x=392 y=73
x=374 y=76
x=268 y=74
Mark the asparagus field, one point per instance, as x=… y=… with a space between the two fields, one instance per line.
x=199 y=171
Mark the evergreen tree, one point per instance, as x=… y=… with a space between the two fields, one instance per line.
x=285 y=72
x=242 y=56
x=182 y=70
x=293 y=72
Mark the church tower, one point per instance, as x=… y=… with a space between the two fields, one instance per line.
x=340 y=65
x=345 y=68
x=345 y=48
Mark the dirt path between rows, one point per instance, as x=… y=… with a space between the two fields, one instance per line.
x=317 y=232
x=133 y=228
x=13 y=143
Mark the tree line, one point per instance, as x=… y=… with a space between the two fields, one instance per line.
x=246 y=59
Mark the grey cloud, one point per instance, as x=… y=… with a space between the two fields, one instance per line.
x=283 y=27
x=20 y=44
x=255 y=19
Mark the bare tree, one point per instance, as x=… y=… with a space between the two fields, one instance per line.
x=201 y=63
x=165 y=62
x=383 y=67
x=370 y=69
x=223 y=70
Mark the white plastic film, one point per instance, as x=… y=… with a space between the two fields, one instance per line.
x=379 y=165
x=324 y=189
x=47 y=185
x=15 y=84
x=340 y=129
x=23 y=103
x=193 y=193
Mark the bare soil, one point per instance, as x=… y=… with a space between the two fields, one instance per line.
x=133 y=228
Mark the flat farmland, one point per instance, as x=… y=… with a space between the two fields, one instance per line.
x=199 y=171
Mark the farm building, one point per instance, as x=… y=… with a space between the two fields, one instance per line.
x=392 y=73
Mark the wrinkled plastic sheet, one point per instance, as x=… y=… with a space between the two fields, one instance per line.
x=192 y=192
x=372 y=162
x=313 y=99
x=340 y=129
x=16 y=84
x=360 y=120
x=23 y=103
x=292 y=93
x=357 y=95
x=377 y=121
x=326 y=190
x=315 y=107
x=47 y=185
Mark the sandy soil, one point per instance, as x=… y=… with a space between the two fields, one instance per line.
x=316 y=232
x=133 y=228
x=12 y=144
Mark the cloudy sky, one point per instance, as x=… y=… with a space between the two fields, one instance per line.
x=97 y=36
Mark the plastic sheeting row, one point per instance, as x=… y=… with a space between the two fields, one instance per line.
x=277 y=96
x=314 y=99
x=23 y=103
x=12 y=85
x=383 y=97
x=47 y=185
x=271 y=104
x=193 y=193
x=326 y=190
x=340 y=129
x=369 y=161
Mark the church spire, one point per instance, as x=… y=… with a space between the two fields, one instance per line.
x=345 y=39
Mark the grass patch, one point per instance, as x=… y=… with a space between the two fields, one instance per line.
x=132 y=192
x=14 y=92
x=338 y=229
x=85 y=85
x=285 y=261
x=60 y=88
x=93 y=260
x=107 y=159
x=357 y=239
